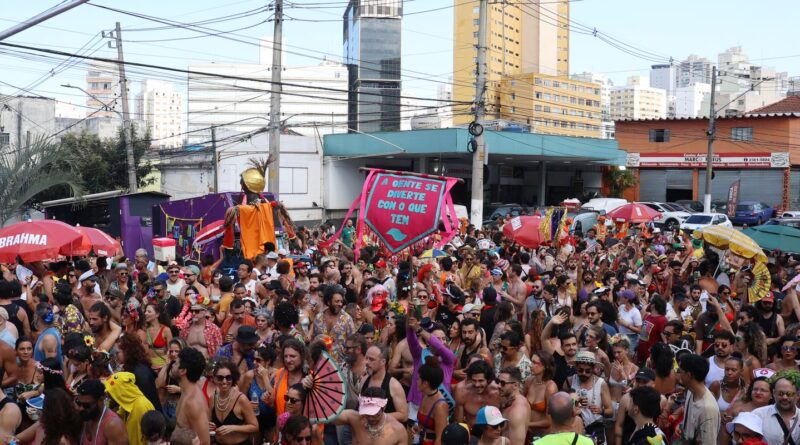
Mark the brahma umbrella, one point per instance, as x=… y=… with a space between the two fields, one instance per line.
x=38 y=240
x=633 y=213
x=325 y=400
x=525 y=231
x=98 y=241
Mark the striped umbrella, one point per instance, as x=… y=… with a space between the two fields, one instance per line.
x=209 y=233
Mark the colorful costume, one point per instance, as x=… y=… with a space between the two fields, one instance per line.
x=132 y=404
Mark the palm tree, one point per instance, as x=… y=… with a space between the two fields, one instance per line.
x=27 y=171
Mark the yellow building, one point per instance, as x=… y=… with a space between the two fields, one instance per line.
x=523 y=37
x=552 y=104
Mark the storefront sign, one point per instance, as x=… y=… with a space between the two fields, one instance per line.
x=698 y=160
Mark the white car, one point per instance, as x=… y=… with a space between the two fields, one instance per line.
x=791 y=214
x=699 y=221
x=603 y=205
x=671 y=215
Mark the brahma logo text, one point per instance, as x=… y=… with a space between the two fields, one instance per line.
x=23 y=238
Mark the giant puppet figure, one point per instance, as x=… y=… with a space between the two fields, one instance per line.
x=254 y=215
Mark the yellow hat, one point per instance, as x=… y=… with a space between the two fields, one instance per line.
x=253 y=180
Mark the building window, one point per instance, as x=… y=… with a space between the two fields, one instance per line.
x=5 y=140
x=742 y=133
x=513 y=96
x=294 y=181
x=513 y=110
x=476 y=21
x=660 y=135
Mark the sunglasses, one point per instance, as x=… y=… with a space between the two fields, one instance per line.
x=291 y=400
x=788 y=348
x=222 y=378
x=72 y=275
x=504 y=383
x=173 y=271
x=499 y=426
x=197 y=311
x=785 y=393
x=303 y=439
x=668 y=333
x=584 y=371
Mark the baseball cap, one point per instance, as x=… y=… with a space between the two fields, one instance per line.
x=194 y=269
x=380 y=264
x=645 y=374
x=748 y=420
x=369 y=406
x=274 y=285
x=272 y=256
x=627 y=294
x=282 y=252
x=121 y=266
x=92 y=387
x=489 y=415
x=496 y=272
x=769 y=297
x=455 y=434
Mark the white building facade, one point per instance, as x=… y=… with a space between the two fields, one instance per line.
x=103 y=86
x=689 y=100
x=161 y=108
x=694 y=69
x=664 y=76
x=637 y=100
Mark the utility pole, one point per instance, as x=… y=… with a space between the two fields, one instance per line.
x=476 y=128
x=275 y=102
x=214 y=158
x=39 y=18
x=126 y=120
x=712 y=134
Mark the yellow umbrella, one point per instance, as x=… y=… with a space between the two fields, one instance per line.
x=733 y=240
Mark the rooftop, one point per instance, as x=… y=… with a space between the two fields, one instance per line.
x=749 y=115
x=790 y=104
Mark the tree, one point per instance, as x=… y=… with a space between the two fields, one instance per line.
x=104 y=164
x=26 y=172
x=621 y=180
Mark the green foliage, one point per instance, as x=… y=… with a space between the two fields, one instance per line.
x=26 y=172
x=793 y=375
x=103 y=162
x=622 y=180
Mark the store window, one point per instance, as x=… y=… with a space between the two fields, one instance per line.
x=659 y=135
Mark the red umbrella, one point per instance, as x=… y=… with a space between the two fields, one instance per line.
x=209 y=233
x=95 y=239
x=633 y=213
x=38 y=240
x=524 y=230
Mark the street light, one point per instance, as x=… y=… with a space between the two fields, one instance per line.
x=126 y=134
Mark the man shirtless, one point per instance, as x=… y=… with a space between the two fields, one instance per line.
x=10 y=418
x=478 y=392
x=192 y=409
x=514 y=404
x=402 y=365
x=518 y=291
x=202 y=334
x=370 y=425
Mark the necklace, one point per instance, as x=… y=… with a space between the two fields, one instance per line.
x=538 y=381
x=647 y=424
x=222 y=405
x=433 y=393
x=375 y=431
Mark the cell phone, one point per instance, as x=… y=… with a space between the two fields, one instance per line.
x=418 y=309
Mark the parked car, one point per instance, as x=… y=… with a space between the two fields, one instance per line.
x=791 y=214
x=753 y=213
x=671 y=216
x=694 y=206
x=791 y=222
x=698 y=221
x=719 y=207
x=603 y=205
x=501 y=211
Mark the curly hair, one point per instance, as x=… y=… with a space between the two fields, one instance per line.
x=285 y=315
x=134 y=352
x=59 y=418
x=755 y=340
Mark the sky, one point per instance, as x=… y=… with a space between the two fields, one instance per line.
x=313 y=30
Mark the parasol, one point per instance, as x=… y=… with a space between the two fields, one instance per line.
x=434 y=253
x=733 y=240
x=633 y=213
x=771 y=237
x=38 y=240
x=761 y=283
x=524 y=230
x=209 y=233
x=326 y=398
x=97 y=240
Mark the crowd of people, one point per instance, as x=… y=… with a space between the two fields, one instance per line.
x=639 y=337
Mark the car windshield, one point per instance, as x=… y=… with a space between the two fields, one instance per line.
x=744 y=208
x=674 y=207
x=698 y=219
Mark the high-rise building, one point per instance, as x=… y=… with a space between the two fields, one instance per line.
x=689 y=100
x=243 y=105
x=552 y=104
x=606 y=123
x=693 y=70
x=743 y=86
x=161 y=108
x=103 y=86
x=637 y=100
x=372 y=50
x=523 y=37
x=444 y=94
x=664 y=76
